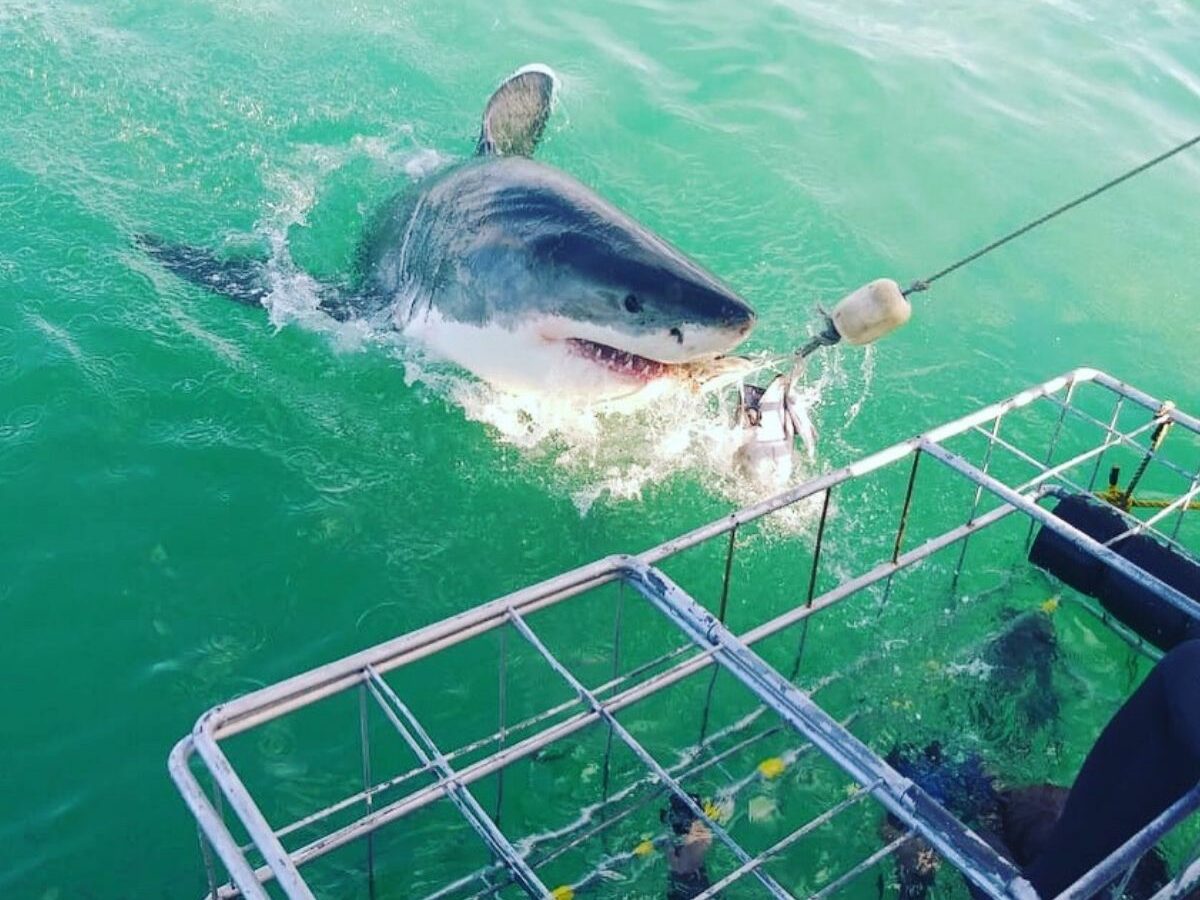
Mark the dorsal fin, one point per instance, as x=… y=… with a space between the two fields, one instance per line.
x=516 y=114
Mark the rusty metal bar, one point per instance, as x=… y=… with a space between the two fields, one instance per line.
x=812 y=583
x=908 y=495
x=502 y=704
x=364 y=734
x=987 y=462
x=616 y=668
x=723 y=606
x=1110 y=438
x=881 y=854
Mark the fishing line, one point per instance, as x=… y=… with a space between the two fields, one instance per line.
x=922 y=284
x=880 y=307
x=877 y=308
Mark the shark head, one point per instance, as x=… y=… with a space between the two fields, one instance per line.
x=572 y=293
x=629 y=302
x=525 y=276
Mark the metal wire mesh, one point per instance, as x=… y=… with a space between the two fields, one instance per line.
x=943 y=489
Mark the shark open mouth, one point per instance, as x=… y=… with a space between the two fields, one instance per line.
x=621 y=362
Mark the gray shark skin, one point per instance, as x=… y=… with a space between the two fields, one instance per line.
x=520 y=273
x=500 y=239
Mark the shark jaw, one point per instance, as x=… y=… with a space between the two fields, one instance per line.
x=561 y=357
x=620 y=363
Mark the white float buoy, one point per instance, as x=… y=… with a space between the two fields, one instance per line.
x=875 y=309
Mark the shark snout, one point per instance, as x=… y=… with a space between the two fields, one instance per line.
x=700 y=341
x=719 y=322
x=739 y=316
x=690 y=341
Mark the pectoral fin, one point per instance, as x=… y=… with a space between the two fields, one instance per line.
x=242 y=279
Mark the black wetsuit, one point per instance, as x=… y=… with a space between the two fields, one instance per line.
x=1146 y=758
x=685 y=886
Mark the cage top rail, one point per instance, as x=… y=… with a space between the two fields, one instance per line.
x=712 y=645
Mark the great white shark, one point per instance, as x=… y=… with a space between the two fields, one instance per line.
x=518 y=272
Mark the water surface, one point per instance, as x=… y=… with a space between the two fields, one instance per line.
x=198 y=498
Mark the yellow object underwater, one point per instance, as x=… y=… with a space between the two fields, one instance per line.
x=563 y=892
x=645 y=848
x=772 y=767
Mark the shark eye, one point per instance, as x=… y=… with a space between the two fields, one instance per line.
x=632 y=303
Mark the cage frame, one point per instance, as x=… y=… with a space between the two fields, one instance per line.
x=716 y=646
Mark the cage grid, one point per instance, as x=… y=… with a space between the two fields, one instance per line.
x=1005 y=459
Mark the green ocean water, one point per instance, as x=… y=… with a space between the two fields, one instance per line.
x=197 y=499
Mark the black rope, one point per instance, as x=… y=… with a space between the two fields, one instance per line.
x=922 y=284
x=1156 y=440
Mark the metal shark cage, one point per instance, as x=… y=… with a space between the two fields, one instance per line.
x=996 y=465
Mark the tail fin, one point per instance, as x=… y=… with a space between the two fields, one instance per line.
x=516 y=114
x=238 y=279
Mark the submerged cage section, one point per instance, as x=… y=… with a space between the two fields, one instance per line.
x=756 y=669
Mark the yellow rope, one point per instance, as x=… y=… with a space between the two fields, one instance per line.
x=1117 y=497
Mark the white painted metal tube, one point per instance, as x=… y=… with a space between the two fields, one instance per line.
x=210 y=822
x=244 y=712
x=1141 y=398
x=899 y=795
x=272 y=702
x=481 y=769
x=280 y=862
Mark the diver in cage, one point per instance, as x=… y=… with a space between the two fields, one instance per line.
x=687 y=876
x=1146 y=758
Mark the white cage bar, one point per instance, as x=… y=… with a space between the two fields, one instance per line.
x=709 y=643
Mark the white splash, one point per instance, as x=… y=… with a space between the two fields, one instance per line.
x=620 y=449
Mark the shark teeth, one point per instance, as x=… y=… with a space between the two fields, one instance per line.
x=619 y=361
